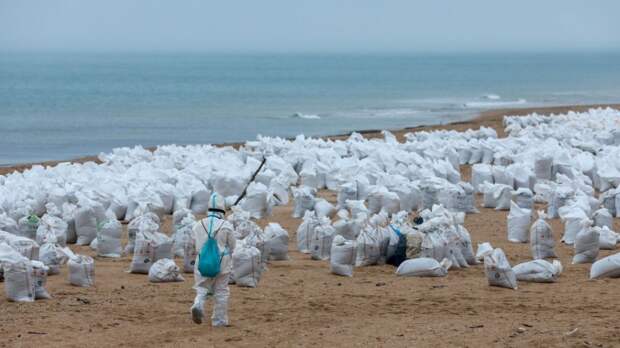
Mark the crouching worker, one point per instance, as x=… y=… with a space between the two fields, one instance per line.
x=215 y=242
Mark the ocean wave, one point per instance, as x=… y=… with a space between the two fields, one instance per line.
x=306 y=116
x=491 y=97
x=493 y=104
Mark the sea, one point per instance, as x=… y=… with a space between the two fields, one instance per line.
x=57 y=106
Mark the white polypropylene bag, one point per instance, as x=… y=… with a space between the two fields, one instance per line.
x=150 y=247
x=82 y=271
x=39 y=275
x=304 y=200
x=342 y=259
x=357 y=208
x=524 y=198
x=257 y=240
x=368 y=247
x=423 y=267
x=28 y=226
x=518 y=224
x=148 y=221
x=586 y=246
x=481 y=173
x=602 y=217
x=574 y=221
x=321 y=243
x=50 y=225
x=165 y=271
x=182 y=234
x=109 y=239
x=538 y=271
x=498 y=270
x=246 y=266
x=323 y=208
x=52 y=257
x=346 y=227
x=607 y=267
x=85 y=225
x=258 y=201
x=502 y=176
x=484 y=249
x=19 y=284
x=607 y=238
x=276 y=239
x=541 y=239
x=305 y=232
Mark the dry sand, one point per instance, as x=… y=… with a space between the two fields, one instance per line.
x=299 y=303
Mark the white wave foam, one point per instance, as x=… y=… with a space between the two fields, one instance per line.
x=306 y=116
x=493 y=104
x=491 y=97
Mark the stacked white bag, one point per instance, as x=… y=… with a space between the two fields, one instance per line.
x=151 y=246
x=602 y=218
x=342 y=256
x=542 y=243
x=276 y=239
x=182 y=235
x=368 y=246
x=304 y=200
x=321 y=242
x=247 y=267
x=607 y=238
x=109 y=239
x=305 y=232
x=586 y=246
x=518 y=223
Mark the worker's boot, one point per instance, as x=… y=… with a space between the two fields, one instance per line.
x=198 y=309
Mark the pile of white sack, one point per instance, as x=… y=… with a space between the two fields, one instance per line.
x=569 y=162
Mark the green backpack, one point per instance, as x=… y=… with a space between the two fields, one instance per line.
x=210 y=257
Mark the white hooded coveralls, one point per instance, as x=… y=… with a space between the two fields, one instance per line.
x=218 y=286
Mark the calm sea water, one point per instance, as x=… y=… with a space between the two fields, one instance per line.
x=60 y=106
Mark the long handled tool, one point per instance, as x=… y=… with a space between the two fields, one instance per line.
x=249 y=182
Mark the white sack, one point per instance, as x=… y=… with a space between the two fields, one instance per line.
x=109 y=239
x=82 y=271
x=343 y=254
x=518 y=224
x=423 y=267
x=541 y=239
x=276 y=239
x=538 y=271
x=246 y=266
x=321 y=243
x=498 y=270
x=586 y=246
x=607 y=267
x=165 y=271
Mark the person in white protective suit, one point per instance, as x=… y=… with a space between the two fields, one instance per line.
x=217 y=287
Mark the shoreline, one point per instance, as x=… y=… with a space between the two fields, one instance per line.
x=489 y=118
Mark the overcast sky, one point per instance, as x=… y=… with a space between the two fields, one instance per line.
x=314 y=25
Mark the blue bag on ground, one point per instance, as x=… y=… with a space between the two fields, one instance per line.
x=400 y=254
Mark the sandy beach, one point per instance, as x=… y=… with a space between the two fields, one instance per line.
x=299 y=303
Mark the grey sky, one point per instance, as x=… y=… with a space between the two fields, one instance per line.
x=316 y=25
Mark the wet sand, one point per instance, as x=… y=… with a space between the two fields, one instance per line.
x=299 y=303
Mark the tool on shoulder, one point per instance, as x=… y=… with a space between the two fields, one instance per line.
x=249 y=182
